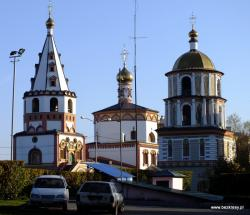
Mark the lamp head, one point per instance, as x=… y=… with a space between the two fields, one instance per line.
x=21 y=51
x=13 y=53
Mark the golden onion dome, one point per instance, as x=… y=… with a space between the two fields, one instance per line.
x=193 y=33
x=50 y=23
x=124 y=76
x=193 y=59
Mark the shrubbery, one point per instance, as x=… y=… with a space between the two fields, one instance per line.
x=16 y=180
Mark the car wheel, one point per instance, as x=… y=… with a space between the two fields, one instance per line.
x=115 y=210
x=122 y=208
x=65 y=206
x=82 y=210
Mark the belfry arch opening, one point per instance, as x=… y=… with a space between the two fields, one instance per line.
x=186 y=86
x=53 y=105
x=70 y=106
x=35 y=105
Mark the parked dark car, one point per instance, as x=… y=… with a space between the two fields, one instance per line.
x=99 y=195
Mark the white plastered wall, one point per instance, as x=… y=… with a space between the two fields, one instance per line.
x=128 y=154
x=109 y=131
x=45 y=143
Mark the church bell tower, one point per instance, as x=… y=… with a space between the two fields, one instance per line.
x=49 y=137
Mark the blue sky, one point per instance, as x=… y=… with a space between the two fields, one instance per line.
x=90 y=35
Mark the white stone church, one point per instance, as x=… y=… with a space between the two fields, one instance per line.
x=194 y=135
x=118 y=122
x=49 y=138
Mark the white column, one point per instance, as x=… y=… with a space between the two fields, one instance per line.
x=204 y=112
x=209 y=83
x=215 y=87
x=193 y=84
x=212 y=111
x=193 y=117
x=178 y=85
x=202 y=84
x=178 y=111
x=169 y=113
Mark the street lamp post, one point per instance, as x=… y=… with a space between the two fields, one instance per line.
x=14 y=55
x=96 y=135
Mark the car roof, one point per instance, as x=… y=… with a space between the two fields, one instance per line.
x=51 y=176
x=99 y=182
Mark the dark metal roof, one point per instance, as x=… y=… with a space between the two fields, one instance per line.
x=125 y=106
x=167 y=173
x=110 y=170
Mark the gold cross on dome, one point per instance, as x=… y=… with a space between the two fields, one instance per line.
x=192 y=20
x=124 y=55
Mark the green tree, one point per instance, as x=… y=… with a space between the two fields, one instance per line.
x=246 y=127
x=242 y=150
x=234 y=121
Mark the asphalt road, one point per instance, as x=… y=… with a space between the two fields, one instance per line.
x=159 y=210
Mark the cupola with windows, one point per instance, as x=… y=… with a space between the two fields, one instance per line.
x=194 y=90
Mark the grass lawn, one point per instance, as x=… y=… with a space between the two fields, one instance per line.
x=12 y=203
x=20 y=207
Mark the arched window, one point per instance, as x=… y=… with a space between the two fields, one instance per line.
x=218 y=87
x=186 y=86
x=79 y=155
x=52 y=81
x=63 y=153
x=185 y=149
x=133 y=134
x=35 y=105
x=35 y=156
x=70 y=106
x=198 y=114
x=145 y=157
x=220 y=116
x=186 y=115
x=153 y=158
x=202 y=148
x=151 y=137
x=53 y=105
x=170 y=149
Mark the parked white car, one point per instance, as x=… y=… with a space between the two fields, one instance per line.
x=50 y=190
x=99 y=195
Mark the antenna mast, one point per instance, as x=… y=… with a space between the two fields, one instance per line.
x=136 y=123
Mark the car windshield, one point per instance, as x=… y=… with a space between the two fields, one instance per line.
x=96 y=188
x=49 y=183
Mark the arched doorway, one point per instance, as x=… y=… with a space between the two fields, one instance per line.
x=35 y=156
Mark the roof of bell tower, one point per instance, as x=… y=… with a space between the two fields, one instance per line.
x=193 y=59
x=49 y=72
